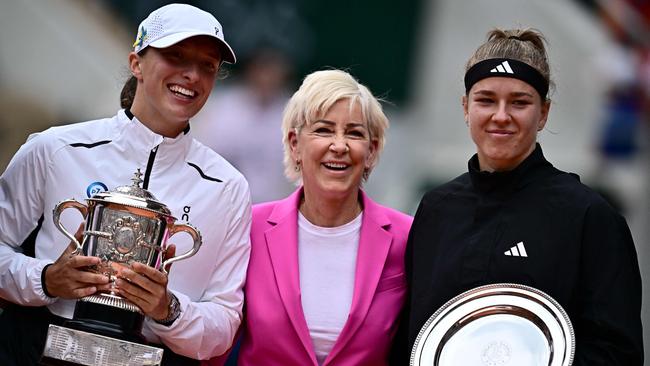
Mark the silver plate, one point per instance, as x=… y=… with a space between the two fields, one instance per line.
x=497 y=325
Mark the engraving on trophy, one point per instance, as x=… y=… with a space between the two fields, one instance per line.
x=126 y=234
x=126 y=238
x=496 y=354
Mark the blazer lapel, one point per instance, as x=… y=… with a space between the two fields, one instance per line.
x=282 y=244
x=374 y=245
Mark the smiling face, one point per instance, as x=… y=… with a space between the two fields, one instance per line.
x=334 y=151
x=504 y=116
x=174 y=83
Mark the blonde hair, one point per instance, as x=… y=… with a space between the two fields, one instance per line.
x=525 y=45
x=319 y=91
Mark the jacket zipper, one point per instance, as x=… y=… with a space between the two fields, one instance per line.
x=147 y=173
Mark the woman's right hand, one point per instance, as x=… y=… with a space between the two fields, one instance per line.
x=67 y=278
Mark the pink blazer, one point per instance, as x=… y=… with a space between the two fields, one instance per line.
x=275 y=331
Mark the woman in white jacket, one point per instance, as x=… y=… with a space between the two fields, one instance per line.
x=195 y=312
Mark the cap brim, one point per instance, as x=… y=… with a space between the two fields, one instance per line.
x=227 y=54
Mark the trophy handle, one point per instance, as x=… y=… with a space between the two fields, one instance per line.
x=196 y=236
x=56 y=216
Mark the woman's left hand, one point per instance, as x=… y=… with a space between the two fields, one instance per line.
x=146 y=287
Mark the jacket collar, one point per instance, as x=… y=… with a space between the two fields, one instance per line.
x=130 y=116
x=288 y=209
x=141 y=140
x=501 y=184
x=282 y=243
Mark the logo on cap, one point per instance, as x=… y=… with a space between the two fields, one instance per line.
x=216 y=31
x=139 y=39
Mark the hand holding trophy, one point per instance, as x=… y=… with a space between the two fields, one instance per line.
x=67 y=277
x=146 y=287
x=127 y=230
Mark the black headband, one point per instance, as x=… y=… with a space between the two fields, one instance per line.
x=506 y=67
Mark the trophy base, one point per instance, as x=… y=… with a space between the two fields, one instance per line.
x=111 y=300
x=108 y=321
x=66 y=346
x=99 y=334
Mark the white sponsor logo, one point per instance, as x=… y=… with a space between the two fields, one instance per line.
x=503 y=68
x=517 y=250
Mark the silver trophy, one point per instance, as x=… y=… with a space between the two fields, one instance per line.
x=122 y=226
x=497 y=325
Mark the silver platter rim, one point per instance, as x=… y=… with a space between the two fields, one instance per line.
x=514 y=289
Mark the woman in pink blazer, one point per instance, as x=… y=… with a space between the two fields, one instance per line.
x=326 y=280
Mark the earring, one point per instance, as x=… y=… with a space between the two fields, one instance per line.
x=297 y=166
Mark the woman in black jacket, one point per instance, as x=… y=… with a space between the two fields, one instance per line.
x=515 y=218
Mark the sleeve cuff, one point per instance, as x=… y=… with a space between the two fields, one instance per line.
x=43 y=287
x=183 y=302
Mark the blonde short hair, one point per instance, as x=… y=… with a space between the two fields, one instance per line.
x=319 y=91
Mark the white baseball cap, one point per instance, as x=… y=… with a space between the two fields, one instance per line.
x=173 y=23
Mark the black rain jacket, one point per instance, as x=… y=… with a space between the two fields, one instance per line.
x=579 y=251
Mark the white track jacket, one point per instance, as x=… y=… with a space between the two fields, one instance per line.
x=199 y=187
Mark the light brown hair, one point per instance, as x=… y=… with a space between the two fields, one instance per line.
x=526 y=45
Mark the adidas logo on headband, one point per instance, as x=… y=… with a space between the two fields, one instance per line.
x=504 y=67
